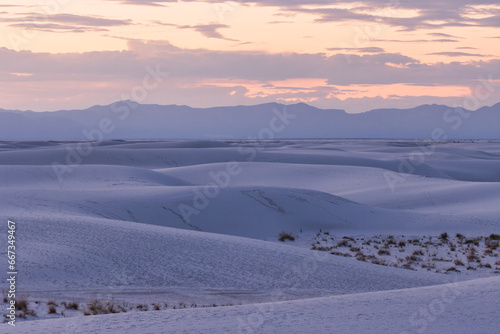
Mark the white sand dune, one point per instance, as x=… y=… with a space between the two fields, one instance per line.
x=465 y=307
x=114 y=225
x=68 y=253
x=366 y=185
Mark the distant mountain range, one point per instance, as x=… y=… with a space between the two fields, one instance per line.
x=132 y=121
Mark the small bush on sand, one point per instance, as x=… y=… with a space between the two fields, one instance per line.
x=342 y=243
x=71 y=306
x=384 y=252
x=286 y=236
x=22 y=305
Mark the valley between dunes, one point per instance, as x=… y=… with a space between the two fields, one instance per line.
x=189 y=231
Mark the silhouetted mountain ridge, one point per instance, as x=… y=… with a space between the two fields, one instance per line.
x=134 y=121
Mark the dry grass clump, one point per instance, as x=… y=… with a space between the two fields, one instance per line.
x=97 y=307
x=384 y=252
x=71 y=306
x=23 y=309
x=286 y=236
x=343 y=243
x=426 y=252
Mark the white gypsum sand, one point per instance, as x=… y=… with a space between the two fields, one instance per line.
x=132 y=226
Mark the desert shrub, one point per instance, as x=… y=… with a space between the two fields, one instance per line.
x=459 y=263
x=494 y=237
x=71 y=306
x=360 y=257
x=142 y=307
x=96 y=307
x=402 y=244
x=384 y=252
x=51 y=302
x=390 y=242
x=342 y=243
x=52 y=310
x=460 y=236
x=413 y=258
x=22 y=305
x=472 y=257
x=380 y=263
x=418 y=252
x=286 y=236
x=111 y=308
x=444 y=236
x=407 y=266
x=354 y=249
x=492 y=245
x=340 y=254
x=487 y=265
x=474 y=241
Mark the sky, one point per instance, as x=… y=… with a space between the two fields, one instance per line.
x=351 y=55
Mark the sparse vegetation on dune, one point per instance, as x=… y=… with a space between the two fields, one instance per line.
x=98 y=307
x=286 y=236
x=427 y=252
